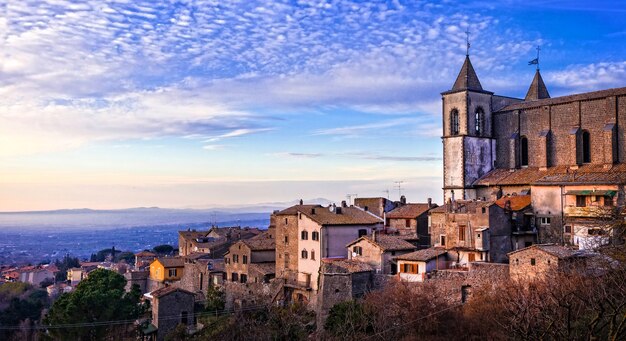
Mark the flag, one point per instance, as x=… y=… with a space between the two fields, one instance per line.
x=534 y=61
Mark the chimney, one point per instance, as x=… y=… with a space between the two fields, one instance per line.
x=374 y=235
x=402 y=200
x=338 y=210
x=344 y=204
x=313 y=211
x=301 y=202
x=430 y=202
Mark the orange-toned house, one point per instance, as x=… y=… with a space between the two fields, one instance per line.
x=167 y=269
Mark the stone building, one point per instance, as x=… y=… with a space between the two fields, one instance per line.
x=171 y=306
x=214 y=241
x=199 y=273
x=415 y=266
x=410 y=220
x=305 y=234
x=554 y=149
x=472 y=231
x=242 y=255
x=539 y=260
x=378 y=206
x=378 y=251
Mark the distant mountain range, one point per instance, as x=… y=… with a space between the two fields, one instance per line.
x=84 y=218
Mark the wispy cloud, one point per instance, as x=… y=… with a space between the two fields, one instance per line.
x=377 y=156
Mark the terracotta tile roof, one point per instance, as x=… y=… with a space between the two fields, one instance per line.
x=145 y=254
x=263 y=268
x=565 y=99
x=558 y=251
x=387 y=243
x=189 y=235
x=168 y=290
x=585 y=174
x=172 y=262
x=409 y=211
x=516 y=202
x=463 y=206
x=324 y=216
x=197 y=255
x=422 y=255
x=260 y=244
x=343 y=265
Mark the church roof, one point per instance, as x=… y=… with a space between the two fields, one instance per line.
x=537 y=89
x=467 y=78
x=565 y=99
x=585 y=174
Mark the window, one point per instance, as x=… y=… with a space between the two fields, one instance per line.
x=286 y=221
x=454 y=122
x=184 y=317
x=286 y=240
x=171 y=272
x=357 y=250
x=524 y=151
x=312 y=254
x=407 y=222
x=478 y=120
x=483 y=210
x=544 y=221
x=568 y=229
x=608 y=201
x=235 y=258
x=595 y=232
x=234 y=277
x=362 y=232
x=315 y=235
x=304 y=235
x=305 y=254
x=532 y=261
x=286 y=260
x=243 y=278
x=586 y=147
x=442 y=240
x=226 y=260
x=462 y=233
x=581 y=201
x=410 y=268
x=245 y=259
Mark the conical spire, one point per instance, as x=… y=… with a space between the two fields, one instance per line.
x=537 y=89
x=467 y=79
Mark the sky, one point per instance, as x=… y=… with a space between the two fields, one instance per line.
x=190 y=104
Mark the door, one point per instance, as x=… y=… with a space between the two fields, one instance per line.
x=471 y=257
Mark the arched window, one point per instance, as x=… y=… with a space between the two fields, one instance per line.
x=305 y=254
x=478 y=120
x=586 y=147
x=454 y=122
x=315 y=235
x=304 y=235
x=524 y=150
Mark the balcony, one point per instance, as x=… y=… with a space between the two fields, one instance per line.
x=589 y=211
x=291 y=281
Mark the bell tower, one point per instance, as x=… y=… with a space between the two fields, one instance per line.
x=468 y=147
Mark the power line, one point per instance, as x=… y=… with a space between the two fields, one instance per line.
x=411 y=322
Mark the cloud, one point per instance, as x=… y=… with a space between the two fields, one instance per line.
x=359 y=155
x=297 y=155
x=580 y=78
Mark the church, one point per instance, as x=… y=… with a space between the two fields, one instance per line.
x=566 y=154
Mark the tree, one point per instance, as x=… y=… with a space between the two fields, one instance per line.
x=63 y=265
x=163 y=249
x=22 y=304
x=214 y=299
x=347 y=320
x=100 y=297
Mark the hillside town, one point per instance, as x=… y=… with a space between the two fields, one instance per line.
x=533 y=188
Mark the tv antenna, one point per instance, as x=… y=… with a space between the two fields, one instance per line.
x=399 y=187
x=386 y=191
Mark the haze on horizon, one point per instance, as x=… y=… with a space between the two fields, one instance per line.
x=198 y=103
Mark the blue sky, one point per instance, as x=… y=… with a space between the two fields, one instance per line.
x=110 y=104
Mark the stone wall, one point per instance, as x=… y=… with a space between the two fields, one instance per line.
x=286 y=226
x=242 y=295
x=522 y=268
x=167 y=312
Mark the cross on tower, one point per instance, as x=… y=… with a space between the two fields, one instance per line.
x=467 y=36
x=538 y=49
